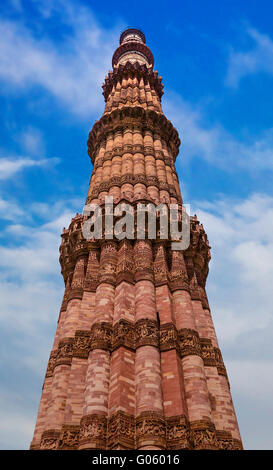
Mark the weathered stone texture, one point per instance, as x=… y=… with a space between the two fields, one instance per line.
x=135 y=363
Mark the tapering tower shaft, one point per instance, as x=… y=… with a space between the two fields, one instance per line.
x=135 y=362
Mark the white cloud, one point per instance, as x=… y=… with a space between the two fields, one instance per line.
x=10 y=210
x=11 y=166
x=31 y=291
x=258 y=59
x=32 y=141
x=214 y=143
x=34 y=251
x=240 y=233
x=72 y=68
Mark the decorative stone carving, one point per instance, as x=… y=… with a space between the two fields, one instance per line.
x=147 y=333
x=220 y=363
x=172 y=190
x=133 y=148
x=51 y=363
x=128 y=178
x=34 y=447
x=133 y=69
x=159 y=155
x=117 y=152
x=104 y=186
x=69 y=438
x=207 y=352
x=150 y=430
x=168 y=161
x=178 y=280
x=133 y=115
x=108 y=261
x=50 y=439
x=115 y=181
x=81 y=345
x=125 y=270
x=101 y=336
x=123 y=335
x=237 y=444
x=177 y=433
x=168 y=337
x=93 y=432
x=203 y=435
x=224 y=440
x=148 y=150
x=189 y=342
x=160 y=275
x=90 y=285
x=121 y=431
x=204 y=299
x=65 y=352
x=143 y=260
x=140 y=179
x=152 y=181
x=163 y=185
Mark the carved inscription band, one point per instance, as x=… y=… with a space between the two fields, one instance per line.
x=132 y=336
x=122 y=430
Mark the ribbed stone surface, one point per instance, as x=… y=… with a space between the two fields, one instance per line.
x=135 y=363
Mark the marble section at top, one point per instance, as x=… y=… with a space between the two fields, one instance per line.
x=133 y=49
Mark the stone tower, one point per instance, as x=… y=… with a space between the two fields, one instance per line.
x=135 y=362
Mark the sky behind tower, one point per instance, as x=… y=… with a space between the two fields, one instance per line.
x=216 y=62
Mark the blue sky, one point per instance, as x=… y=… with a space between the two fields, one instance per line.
x=216 y=60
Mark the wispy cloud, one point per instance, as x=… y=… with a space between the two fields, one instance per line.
x=10 y=210
x=214 y=143
x=71 y=68
x=31 y=289
x=240 y=233
x=257 y=59
x=31 y=257
x=11 y=166
x=32 y=141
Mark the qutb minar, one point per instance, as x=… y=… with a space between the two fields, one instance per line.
x=135 y=362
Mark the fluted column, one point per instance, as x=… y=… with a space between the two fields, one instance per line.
x=122 y=398
x=62 y=360
x=135 y=362
x=196 y=390
x=139 y=165
x=174 y=402
x=93 y=431
x=150 y=166
x=149 y=403
x=127 y=166
x=115 y=181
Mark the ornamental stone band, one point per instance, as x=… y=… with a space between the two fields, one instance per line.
x=135 y=362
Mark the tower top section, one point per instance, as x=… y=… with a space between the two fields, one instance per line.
x=132 y=49
x=132 y=34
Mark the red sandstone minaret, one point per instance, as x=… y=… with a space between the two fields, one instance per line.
x=135 y=362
